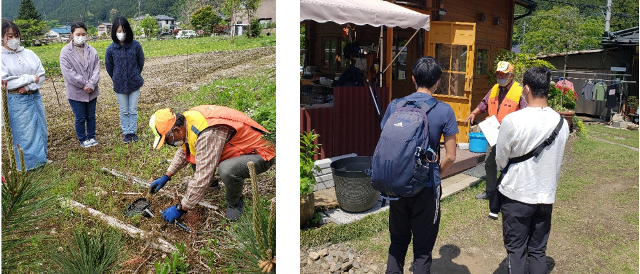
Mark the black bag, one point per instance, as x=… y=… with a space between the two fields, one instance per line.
x=495 y=201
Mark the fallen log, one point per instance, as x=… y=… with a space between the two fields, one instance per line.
x=154 y=242
x=147 y=184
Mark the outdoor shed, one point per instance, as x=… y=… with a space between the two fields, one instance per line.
x=462 y=35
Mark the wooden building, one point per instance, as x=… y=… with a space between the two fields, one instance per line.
x=463 y=37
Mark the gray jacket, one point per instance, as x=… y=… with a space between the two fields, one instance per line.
x=77 y=74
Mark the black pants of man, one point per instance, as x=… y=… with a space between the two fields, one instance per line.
x=525 y=230
x=412 y=216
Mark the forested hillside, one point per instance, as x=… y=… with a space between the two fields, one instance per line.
x=95 y=11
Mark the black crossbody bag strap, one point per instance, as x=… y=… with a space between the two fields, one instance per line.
x=533 y=153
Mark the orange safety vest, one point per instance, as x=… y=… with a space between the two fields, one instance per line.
x=247 y=139
x=509 y=103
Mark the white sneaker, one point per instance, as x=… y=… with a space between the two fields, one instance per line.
x=93 y=141
x=86 y=143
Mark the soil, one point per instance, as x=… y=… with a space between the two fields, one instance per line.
x=164 y=78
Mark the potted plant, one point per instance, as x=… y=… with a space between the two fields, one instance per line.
x=563 y=101
x=308 y=149
x=632 y=104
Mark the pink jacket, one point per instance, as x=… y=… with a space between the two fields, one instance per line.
x=77 y=74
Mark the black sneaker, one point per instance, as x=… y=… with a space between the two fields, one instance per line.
x=483 y=196
x=127 y=138
x=234 y=212
x=134 y=138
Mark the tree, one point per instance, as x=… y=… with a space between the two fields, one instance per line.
x=30 y=29
x=625 y=15
x=250 y=7
x=91 y=30
x=230 y=8
x=562 y=29
x=149 y=25
x=254 y=28
x=28 y=11
x=113 y=13
x=53 y=24
x=205 y=18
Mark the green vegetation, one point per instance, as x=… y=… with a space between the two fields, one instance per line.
x=520 y=61
x=174 y=263
x=206 y=19
x=160 y=48
x=308 y=149
x=91 y=251
x=149 y=25
x=365 y=228
x=619 y=136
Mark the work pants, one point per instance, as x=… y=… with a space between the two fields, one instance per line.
x=491 y=168
x=525 y=228
x=412 y=216
x=234 y=170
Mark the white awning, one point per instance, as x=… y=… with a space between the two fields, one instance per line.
x=362 y=12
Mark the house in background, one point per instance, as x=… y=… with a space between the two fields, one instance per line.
x=266 y=14
x=162 y=20
x=104 y=29
x=59 y=34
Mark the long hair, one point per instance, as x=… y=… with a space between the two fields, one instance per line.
x=121 y=21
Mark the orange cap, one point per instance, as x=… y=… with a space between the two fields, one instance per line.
x=160 y=123
x=504 y=67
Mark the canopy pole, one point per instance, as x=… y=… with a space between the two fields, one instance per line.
x=381 y=53
x=398 y=54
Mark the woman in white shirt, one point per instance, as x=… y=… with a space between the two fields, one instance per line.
x=24 y=75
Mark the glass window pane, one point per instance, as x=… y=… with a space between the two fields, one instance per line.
x=399 y=72
x=329 y=53
x=458 y=58
x=456 y=84
x=443 y=55
x=482 y=62
x=443 y=88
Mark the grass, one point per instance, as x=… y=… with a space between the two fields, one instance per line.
x=160 y=48
x=620 y=136
x=597 y=230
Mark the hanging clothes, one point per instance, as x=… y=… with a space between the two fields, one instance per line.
x=613 y=91
x=587 y=90
x=599 y=91
x=565 y=83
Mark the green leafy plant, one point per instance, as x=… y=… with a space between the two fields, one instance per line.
x=308 y=149
x=561 y=99
x=632 y=102
x=578 y=126
x=520 y=61
x=174 y=263
x=90 y=251
x=254 y=29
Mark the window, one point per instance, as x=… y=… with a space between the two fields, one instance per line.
x=329 y=53
x=453 y=60
x=482 y=61
x=399 y=70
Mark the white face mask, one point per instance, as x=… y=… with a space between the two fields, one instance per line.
x=79 y=40
x=13 y=43
x=121 y=36
x=503 y=82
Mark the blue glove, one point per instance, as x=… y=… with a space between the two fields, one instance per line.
x=172 y=213
x=158 y=184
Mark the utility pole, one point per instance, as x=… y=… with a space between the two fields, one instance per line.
x=139 y=7
x=607 y=19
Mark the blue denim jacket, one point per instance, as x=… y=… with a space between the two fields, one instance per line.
x=124 y=64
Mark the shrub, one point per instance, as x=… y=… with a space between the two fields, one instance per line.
x=90 y=251
x=308 y=149
x=562 y=99
x=520 y=61
x=254 y=28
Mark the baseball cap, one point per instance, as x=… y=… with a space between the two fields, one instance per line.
x=160 y=123
x=504 y=67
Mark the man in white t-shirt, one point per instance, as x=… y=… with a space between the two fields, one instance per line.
x=529 y=187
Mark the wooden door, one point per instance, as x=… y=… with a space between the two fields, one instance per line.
x=453 y=45
x=401 y=68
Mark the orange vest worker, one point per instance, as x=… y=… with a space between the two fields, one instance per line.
x=509 y=103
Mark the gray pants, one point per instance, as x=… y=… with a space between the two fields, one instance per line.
x=491 y=168
x=233 y=171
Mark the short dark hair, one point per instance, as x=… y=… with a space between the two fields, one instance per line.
x=121 y=21
x=538 y=79
x=180 y=120
x=8 y=24
x=426 y=71
x=76 y=25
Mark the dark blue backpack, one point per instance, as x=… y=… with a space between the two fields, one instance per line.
x=400 y=166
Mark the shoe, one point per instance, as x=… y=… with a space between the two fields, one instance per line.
x=493 y=215
x=93 y=141
x=215 y=185
x=127 y=138
x=86 y=144
x=234 y=212
x=134 y=138
x=483 y=196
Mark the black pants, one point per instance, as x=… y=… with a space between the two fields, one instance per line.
x=525 y=230
x=412 y=216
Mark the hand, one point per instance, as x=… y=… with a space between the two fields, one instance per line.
x=22 y=90
x=37 y=78
x=171 y=213
x=471 y=117
x=158 y=184
x=87 y=89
